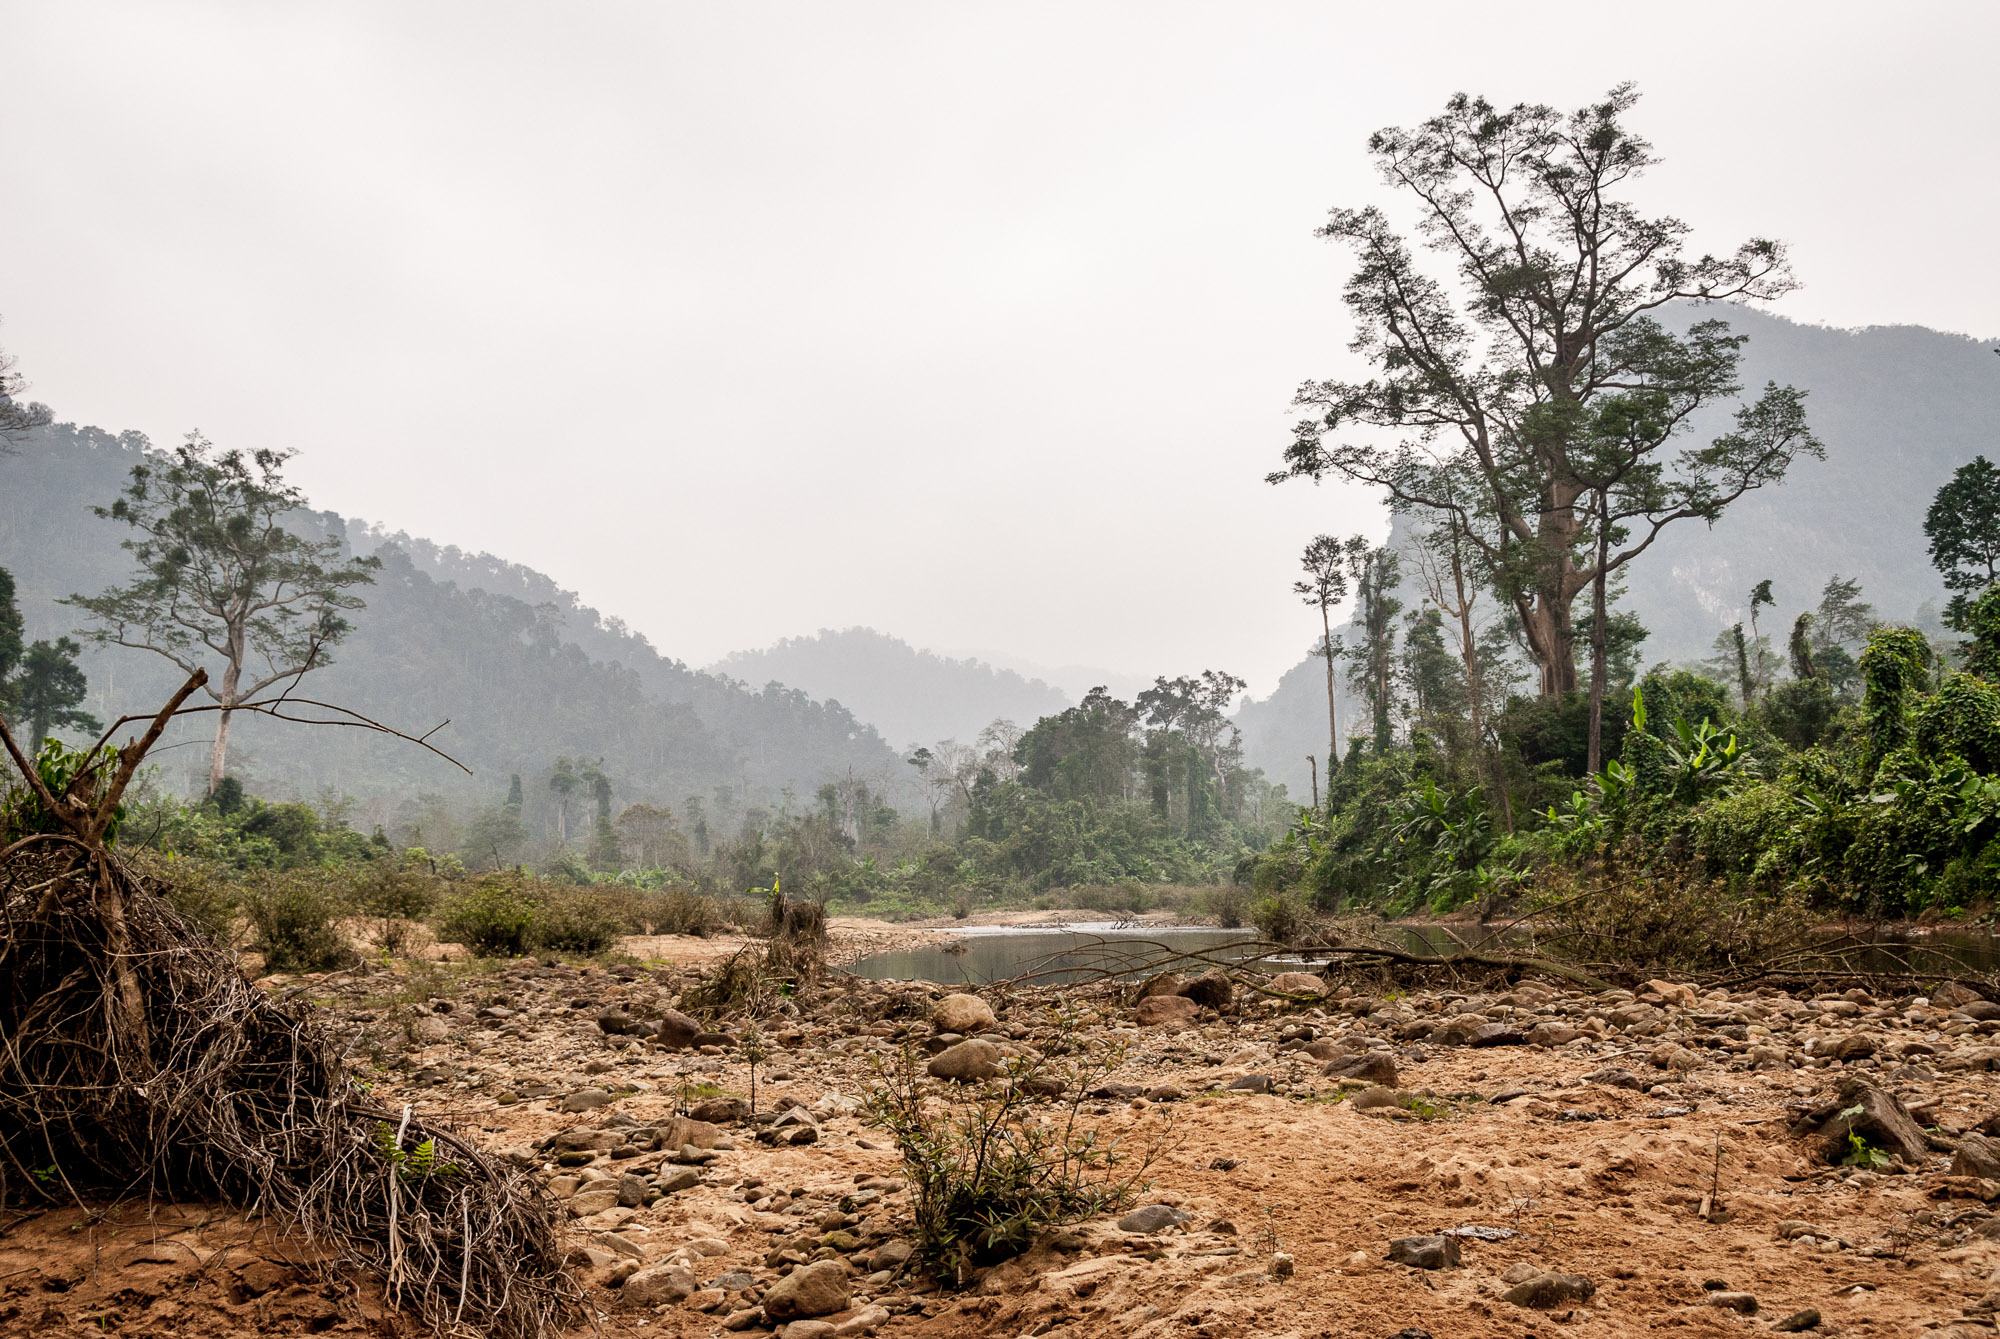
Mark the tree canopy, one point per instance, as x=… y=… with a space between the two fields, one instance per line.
x=223 y=574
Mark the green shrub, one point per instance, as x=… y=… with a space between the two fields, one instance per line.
x=1282 y=919
x=293 y=917
x=991 y=1170
x=494 y=918
x=1229 y=904
x=395 y=892
x=577 y=920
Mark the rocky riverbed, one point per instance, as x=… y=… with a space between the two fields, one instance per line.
x=1347 y=1161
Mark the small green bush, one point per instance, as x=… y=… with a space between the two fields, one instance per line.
x=1283 y=918
x=494 y=918
x=577 y=920
x=293 y=917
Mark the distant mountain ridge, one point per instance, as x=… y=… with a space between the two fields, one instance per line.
x=522 y=669
x=1898 y=407
x=911 y=696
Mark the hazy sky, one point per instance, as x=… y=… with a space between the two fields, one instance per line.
x=974 y=323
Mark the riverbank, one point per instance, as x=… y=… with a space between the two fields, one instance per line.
x=1643 y=1142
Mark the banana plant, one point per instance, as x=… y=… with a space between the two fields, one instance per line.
x=1702 y=760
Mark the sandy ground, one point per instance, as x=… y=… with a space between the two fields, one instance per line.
x=1577 y=1176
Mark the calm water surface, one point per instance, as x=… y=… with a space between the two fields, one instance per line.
x=1083 y=951
x=1072 y=952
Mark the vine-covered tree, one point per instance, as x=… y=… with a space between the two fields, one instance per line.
x=1963 y=526
x=222 y=575
x=1544 y=372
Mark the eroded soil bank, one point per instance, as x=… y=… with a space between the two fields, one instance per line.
x=1581 y=1132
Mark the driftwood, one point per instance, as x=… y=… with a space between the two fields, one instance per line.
x=137 y=1059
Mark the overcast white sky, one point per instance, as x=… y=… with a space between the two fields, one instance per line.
x=973 y=323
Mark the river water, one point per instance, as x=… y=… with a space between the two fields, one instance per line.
x=976 y=955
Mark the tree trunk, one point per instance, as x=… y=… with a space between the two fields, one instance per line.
x=218 y=752
x=1599 y=635
x=1332 y=722
x=232 y=678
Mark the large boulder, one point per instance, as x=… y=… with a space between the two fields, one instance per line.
x=1859 y=1109
x=967 y=1062
x=1977 y=1156
x=810 y=1290
x=1211 y=990
x=1165 y=1009
x=676 y=1031
x=677 y=1132
x=964 y=1014
x=1166 y=983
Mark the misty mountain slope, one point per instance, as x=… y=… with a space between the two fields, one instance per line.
x=524 y=672
x=910 y=696
x=1898 y=407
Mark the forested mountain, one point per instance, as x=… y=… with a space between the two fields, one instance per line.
x=523 y=671
x=910 y=696
x=1898 y=407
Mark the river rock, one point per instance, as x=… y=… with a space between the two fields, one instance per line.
x=429 y=1030
x=808 y=1291
x=1378 y=1096
x=1980 y=1011
x=676 y=1031
x=1672 y=993
x=1950 y=995
x=1156 y=1009
x=1551 y=1290
x=1373 y=1066
x=1879 y=1117
x=1744 y=1304
x=963 y=1014
x=1977 y=1156
x=968 y=1062
x=586 y=1099
x=1552 y=1034
x=1211 y=990
x=1298 y=983
x=1166 y=983
x=1798 y=1321
x=719 y=1110
x=660 y=1284
x=616 y=1022
x=1439 y=1252
x=1152 y=1218
x=677 y=1132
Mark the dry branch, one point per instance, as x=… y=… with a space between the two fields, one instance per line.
x=136 y=1058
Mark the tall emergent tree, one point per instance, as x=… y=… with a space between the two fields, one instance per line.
x=221 y=575
x=1377 y=574
x=1542 y=370
x=1963 y=526
x=1326 y=561
x=48 y=692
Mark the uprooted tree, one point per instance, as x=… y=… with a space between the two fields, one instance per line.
x=137 y=1059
